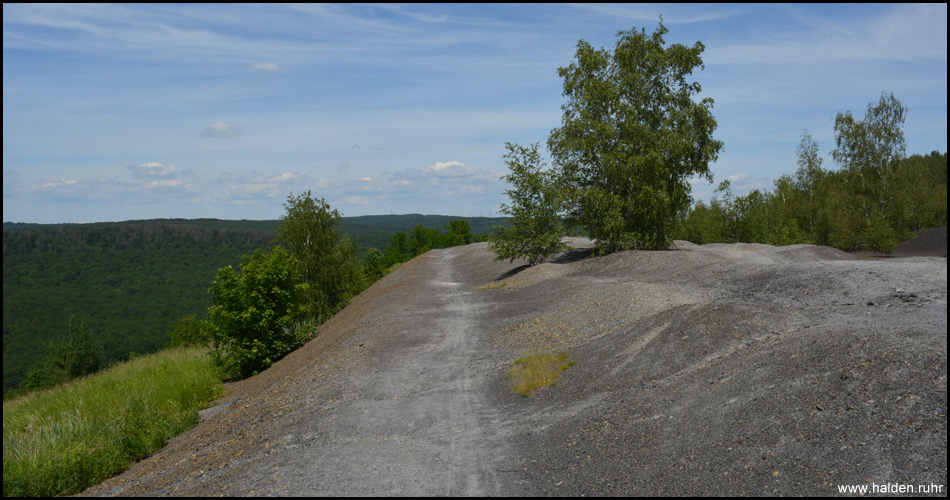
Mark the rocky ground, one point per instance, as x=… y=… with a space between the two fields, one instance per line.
x=705 y=370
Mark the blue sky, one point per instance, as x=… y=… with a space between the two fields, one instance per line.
x=117 y=112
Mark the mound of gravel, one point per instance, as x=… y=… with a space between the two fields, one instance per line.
x=703 y=370
x=926 y=243
x=738 y=369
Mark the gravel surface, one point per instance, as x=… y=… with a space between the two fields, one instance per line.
x=705 y=370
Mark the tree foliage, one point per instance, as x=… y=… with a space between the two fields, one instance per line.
x=870 y=152
x=825 y=213
x=328 y=259
x=72 y=357
x=190 y=330
x=631 y=138
x=807 y=181
x=534 y=229
x=873 y=201
x=252 y=321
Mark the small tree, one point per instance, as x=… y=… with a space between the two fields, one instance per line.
x=423 y=239
x=458 y=232
x=73 y=357
x=535 y=229
x=871 y=150
x=373 y=266
x=397 y=251
x=254 y=313
x=328 y=260
x=189 y=331
x=808 y=178
x=632 y=137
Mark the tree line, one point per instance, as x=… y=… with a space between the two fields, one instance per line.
x=135 y=287
x=112 y=237
x=823 y=207
x=633 y=136
x=873 y=201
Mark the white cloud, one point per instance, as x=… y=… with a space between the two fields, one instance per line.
x=266 y=67
x=58 y=182
x=356 y=200
x=163 y=184
x=451 y=169
x=222 y=129
x=153 y=170
x=738 y=177
x=257 y=188
x=283 y=178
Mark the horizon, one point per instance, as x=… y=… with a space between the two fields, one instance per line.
x=204 y=111
x=342 y=216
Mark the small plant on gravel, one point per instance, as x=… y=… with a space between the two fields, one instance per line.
x=536 y=370
x=494 y=286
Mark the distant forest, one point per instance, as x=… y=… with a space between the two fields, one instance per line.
x=132 y=281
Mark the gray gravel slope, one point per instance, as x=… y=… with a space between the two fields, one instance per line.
x=716 y=369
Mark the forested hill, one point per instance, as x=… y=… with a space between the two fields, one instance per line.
x=372 y=231
x=132 y=281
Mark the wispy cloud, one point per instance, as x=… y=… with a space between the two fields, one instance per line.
x=156 y=170
x=256 y=188
x=222 y=129
x=672 y=14
x=905 y=33
x=266 y=67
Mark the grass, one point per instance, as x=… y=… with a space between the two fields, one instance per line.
x=68 y=438
x=537 y=370
x=494 y=286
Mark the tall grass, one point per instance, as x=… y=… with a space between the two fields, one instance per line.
x=63 y=440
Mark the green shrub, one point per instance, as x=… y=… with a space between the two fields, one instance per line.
x=190 y=331
x=73 y=357
x=253 y=313
x=879 y=236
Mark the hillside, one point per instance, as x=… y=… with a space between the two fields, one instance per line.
x=132 y=281
x=707 y=370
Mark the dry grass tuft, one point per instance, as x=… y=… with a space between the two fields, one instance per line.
x=536 y=370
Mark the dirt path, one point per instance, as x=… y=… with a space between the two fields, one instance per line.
x=402 y=412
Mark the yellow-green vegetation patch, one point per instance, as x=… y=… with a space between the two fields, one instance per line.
x=494 y=285
x=63 y=440
x=393 y=268
x=536 y=370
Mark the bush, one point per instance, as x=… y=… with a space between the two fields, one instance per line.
x=73 y=357
x=879 y=236
x=189 y=331
x=252 y=319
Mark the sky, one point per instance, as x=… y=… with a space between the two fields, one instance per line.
x=121 y=112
